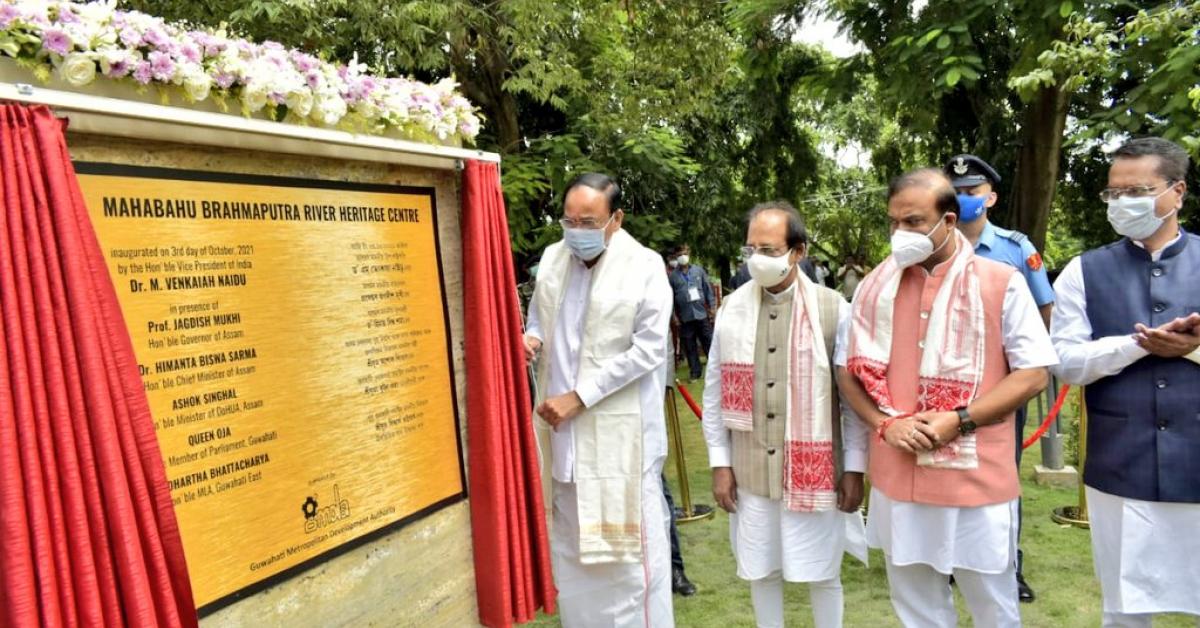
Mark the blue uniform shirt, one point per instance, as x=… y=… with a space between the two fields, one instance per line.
x=1014 y=248
x=688 y=308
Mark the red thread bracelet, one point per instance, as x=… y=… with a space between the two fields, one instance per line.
x=886 y=423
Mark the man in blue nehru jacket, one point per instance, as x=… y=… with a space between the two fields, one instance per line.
x=1126 y=325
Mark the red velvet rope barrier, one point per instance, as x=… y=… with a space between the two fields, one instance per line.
x=1041 y=430
x=1058 y=404
x=687 y=397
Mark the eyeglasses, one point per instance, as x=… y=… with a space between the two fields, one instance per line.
x=586 y=223
x=769 y=251
x=1136 y=191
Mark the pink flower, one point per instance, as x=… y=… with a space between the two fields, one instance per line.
x=142 y=73
x=190 y=52
x=224 y=80
x=156 y=38
x=8 y=13
x=130 y=37
x=67 y=16
x=57 y=41
x=161 y=66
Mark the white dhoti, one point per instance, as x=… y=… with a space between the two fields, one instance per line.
x=771 y=544
x=1147 y=556
x=924 y=544
x=613 y=595
x=805 y=546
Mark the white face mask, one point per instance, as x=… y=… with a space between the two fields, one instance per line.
x=1133 y=217
x=769 y=271
x=910 y=247
x=683 y=260
x=674 y=263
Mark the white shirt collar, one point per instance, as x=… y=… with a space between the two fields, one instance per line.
x=1157 y=255
x=780 y=297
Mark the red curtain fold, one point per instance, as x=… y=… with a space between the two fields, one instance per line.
x=88 y=535
x=512 y=552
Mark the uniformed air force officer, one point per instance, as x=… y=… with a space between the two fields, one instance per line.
x=975 y=181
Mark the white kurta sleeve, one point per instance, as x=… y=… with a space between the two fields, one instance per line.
x=1083 y=360
x=715 y=433
x=533 y=325
x=648 y=351
x=1026 y=343
x=855 y=433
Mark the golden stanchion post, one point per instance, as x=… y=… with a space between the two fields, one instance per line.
x=1077 y=515
x=687 y=511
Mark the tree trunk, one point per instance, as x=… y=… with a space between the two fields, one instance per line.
x=1038 y=157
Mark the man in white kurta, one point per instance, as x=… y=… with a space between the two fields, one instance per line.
x=600 y=314
x=774 y=536
x=943 y=347
x=1126 y=326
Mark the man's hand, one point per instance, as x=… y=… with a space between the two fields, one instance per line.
x=1183 y=324
x=942 y=426
x=850 y=491
x=725 y=488
x=909 y=435
x=532 y=346
x=560 y=409
x=1165 y=341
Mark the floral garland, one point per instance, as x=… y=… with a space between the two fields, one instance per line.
x=81 y=41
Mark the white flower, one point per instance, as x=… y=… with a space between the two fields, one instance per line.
x=300 y=102
x=331 y=108
x=96 y=12
x=197 y=85
x=78 y=69
x=254 y=96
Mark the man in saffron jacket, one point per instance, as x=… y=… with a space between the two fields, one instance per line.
x=943 y=346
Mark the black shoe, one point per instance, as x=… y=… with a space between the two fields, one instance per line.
x=1024 y=593
x=681 y=585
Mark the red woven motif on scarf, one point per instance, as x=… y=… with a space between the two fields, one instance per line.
x=809 y=466
x=942 y=394
x=737 y=388
x=873 y=377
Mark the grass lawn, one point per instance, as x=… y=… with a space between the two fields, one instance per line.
x=1058 y=560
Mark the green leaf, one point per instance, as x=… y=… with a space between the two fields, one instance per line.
x=930 y=36
x=943 y=42
x=1066 y=8
x=969 y=72
x=952 y=77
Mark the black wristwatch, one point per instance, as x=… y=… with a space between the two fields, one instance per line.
x=965 y=424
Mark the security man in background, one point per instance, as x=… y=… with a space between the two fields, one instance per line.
x=975 y=181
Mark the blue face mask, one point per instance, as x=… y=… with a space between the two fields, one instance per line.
x=970 y=208
x=586 y=244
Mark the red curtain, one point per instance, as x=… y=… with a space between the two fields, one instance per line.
x=512 y=553
x=87 y=530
